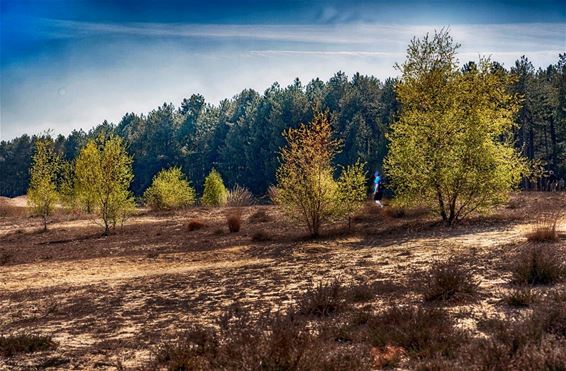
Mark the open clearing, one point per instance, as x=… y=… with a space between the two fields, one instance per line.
x=108 y=301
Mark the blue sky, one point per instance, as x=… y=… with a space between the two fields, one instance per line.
x=69 y=64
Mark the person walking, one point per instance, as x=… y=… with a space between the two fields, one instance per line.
x=377 y=189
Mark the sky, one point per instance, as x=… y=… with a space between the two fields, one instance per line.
x=71 y=64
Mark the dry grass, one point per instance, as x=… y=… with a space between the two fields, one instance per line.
x=546 y=227
x=260 y=216
x=242 y=341
x=24 y=343
x=421 y=331
x=322 y=300
x=154 y=281
x=234 y=220
x=522 y=297
x=447 y=279
x=239 y=197
x=195 y=225
x=538 y=265
x=261 y=236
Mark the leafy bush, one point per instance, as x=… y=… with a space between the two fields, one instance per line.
x=215 y=193
x=169 y=190
x=240 y=196
x=538 y=265
x=444 y=280
x=24 y=343
x=42 y=192
x=306 y=189
x=352 y=190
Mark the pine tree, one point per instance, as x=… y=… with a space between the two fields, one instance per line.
x=215 y=193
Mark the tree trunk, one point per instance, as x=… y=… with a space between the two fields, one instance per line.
x=44 y=223
x=441 y=207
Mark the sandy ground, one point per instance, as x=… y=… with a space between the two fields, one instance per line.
x=109 y=300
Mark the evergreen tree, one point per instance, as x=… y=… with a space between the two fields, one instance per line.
x=170 y=190
x=215 y=193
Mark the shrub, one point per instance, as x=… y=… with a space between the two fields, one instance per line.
x=24 y=343
x=234 y=221
x=5 y=258
x=444 y=280
x=195 y=225
x=424 y=332
x=538 y=265
x=169 y=190
x=521 y=297
x=361 y=293
x=544 y=229
x=352 y=190
x=322 y=300
x=42 y=192
x=215 y=193
x=261 y=236
x=260 y=216
x=240 y=196
x=241 y=341
x=306 y=189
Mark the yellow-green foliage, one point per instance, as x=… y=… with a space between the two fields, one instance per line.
x=215 y=193
x=306 y=189
x=170 y=190
x=42 y=192
x=448 y=148
x=352 y=192
x=66 y=186
x=86 y=176
x=106 y=166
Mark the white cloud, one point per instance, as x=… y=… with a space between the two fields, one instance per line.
x=106 y=71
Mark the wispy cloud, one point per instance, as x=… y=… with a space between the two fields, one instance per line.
x=107 y=69
x=528 y=34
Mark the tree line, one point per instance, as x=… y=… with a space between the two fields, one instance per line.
x=241 y=137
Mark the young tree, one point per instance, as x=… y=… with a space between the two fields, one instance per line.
x=170 y=190
x=448 y=149
x=306 y=189
x=107 y=166
x=115 y=175
x=67 y=185
x=42 y=192
x=215 y=193
x=352 y=190
x=87 y=176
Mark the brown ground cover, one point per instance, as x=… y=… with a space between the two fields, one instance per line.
x=108 y=302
